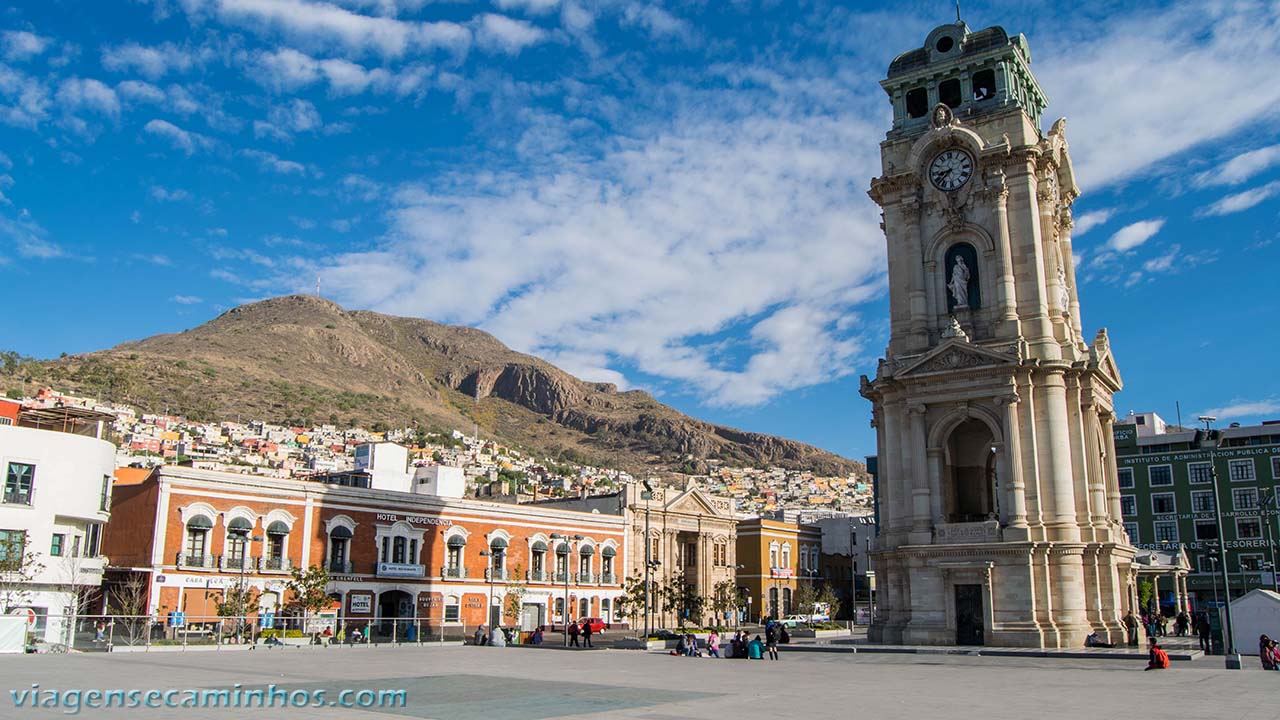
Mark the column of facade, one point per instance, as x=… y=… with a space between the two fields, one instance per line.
x=921 y=515
x=892 y=471
x=1106 y=418
x=1081 y=475
x=1033 y=306
x=1055 y=458
x=1064 y=241
x=1011 y=470
x=935 y=483
x=1097 y=473
x=1006 y=294
x=916 y=294
x=1027 y=455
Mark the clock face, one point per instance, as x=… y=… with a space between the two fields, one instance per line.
x=950 y=169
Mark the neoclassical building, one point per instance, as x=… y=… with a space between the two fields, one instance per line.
x=999 y=509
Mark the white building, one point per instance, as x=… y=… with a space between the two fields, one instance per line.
x=55 y=500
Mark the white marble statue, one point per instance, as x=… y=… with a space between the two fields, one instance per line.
x=1064 y=292
x=959 y=284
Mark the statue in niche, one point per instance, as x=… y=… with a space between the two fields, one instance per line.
x=1064 y=292
x=959 y=284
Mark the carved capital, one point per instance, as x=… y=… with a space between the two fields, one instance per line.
x=916 y=408
x=1010 y=399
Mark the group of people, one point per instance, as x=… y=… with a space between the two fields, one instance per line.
x=741 y=644
x=1268 y=653
x=583 y=630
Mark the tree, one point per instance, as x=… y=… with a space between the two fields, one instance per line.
x=682 y=597
x=806 y=595
x=828 y=596
x=515 y=592
x=235 y=602
x=724 y=598
x=1145 y=592
x=310 y=588
x=631 y=604
x=18 y=569
x=128 y=599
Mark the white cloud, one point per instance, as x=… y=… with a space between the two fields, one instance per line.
x=1244 y=409
x=184 y=140
x=186 y=299
x=1135 y=234
x=1090 y=220
x=532 y=7
x=26 y=99
x=1239 y=168
x=1163 y=263
x=287 y=70
x=163 y=194
x=19 y=45
x=502 y=33
x=270 y=161
x=324 y=24
x=27 y=238
x=1133 y=103
x=1241 y=201
x=296 y=115
x=152 y=63
x=139 y=91
x=86 y=93
x=743 y=226
x=658 y=22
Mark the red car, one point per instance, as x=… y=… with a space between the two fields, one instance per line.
x=597 y=625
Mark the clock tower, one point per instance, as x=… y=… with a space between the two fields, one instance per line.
x=999 y=508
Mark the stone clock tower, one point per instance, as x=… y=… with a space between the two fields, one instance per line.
x=999 y=508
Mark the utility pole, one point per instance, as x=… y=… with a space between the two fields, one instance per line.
x=1232 y=657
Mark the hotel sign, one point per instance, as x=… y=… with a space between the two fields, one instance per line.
x=413 y=519
x=401 y=570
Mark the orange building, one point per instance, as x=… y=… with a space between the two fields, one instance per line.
x=392 y=556
x=774 y=558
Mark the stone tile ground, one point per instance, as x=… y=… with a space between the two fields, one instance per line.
x=470 y=683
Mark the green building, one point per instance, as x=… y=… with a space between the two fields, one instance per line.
x=1167 y=498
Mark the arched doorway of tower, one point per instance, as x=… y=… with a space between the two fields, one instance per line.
x=970 y=473
x=395 y=612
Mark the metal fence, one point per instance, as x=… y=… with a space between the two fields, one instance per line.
x=106 y=633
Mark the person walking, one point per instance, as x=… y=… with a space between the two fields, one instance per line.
x=713 y=644
x=1205 y=632
x=573 y=635
x=771 y=641
x=586 y=633
x=1180 y=624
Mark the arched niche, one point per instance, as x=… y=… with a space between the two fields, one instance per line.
x=970 y=483
x=962 y=257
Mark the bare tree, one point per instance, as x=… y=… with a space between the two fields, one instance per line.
x=19 y=567
x=128 y=599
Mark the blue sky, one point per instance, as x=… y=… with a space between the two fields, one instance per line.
x=666 y=195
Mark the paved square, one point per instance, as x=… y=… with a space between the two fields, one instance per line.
x=469 y=683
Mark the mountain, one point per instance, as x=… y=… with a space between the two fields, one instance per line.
x=301 y=359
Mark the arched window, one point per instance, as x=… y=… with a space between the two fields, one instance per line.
x=498 y=558
x=786 y=601
x=198 y=528
x=585 y=554
x=238 y=531
x=607 y=555
x=773 y=603
x=453 y=557
x=538 y=561
x=277 y=538
x=340 y=550
x=562 y=562
x=773 y=555
x=584 y=608
x=786 y=555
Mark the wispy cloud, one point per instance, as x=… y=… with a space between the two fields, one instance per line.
x=1241 y=201
x=1135 y=234
x=1090 y=220
x=506 y=34
x=21 y=45
x=1245 y=409
x=1239 y=168
x=183 y=140
x=186 y=299
x=155 y=62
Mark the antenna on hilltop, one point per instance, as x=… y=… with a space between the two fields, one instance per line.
x=317 y=284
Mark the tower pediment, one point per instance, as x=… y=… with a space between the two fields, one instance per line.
x=959 y=354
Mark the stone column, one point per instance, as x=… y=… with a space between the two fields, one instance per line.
x=1010 y=468
x=916 y=295
x=1107 y=419
x=921 y=515
x=1064 y=241
x=1006 y=295
x=1055 y=453
x=935 y=484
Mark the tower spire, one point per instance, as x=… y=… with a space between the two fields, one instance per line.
x=958 y=20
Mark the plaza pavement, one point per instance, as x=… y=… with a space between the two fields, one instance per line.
x=485 y=683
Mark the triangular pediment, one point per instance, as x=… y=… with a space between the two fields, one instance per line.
x=958 y=354
x=692 y=502
x=1102 y=361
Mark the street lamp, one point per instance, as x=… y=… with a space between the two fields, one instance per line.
x=495 y=560
x=244 y=538
x=1232 y=658
x=649 y=562
x=565 y=555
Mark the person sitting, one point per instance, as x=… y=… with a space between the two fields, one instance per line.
x=1266 y=654
x=681 y=646
x=691 y=645
x=536 y=637
x=1094 y=641
x=1157 y=658
x=755 y=649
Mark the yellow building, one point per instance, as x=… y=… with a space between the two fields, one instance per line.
x=773 y=558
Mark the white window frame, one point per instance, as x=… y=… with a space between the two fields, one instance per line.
x=1213 y=501
x=1151 y=480
x=1247 y=490
x=1275 y=467
x=1256 y=519
x=1129 y=499
x=1172 y=497
x=1155 y=535
x=1194 y=466
x=1131 y=529
x=452 y=603
x=1242 y=462
x=1121 y=474
x=1205 y=523
x=1259 y=558
x=1204 y=564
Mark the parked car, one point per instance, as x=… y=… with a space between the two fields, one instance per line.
x=794 y=620
x=597 y=625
